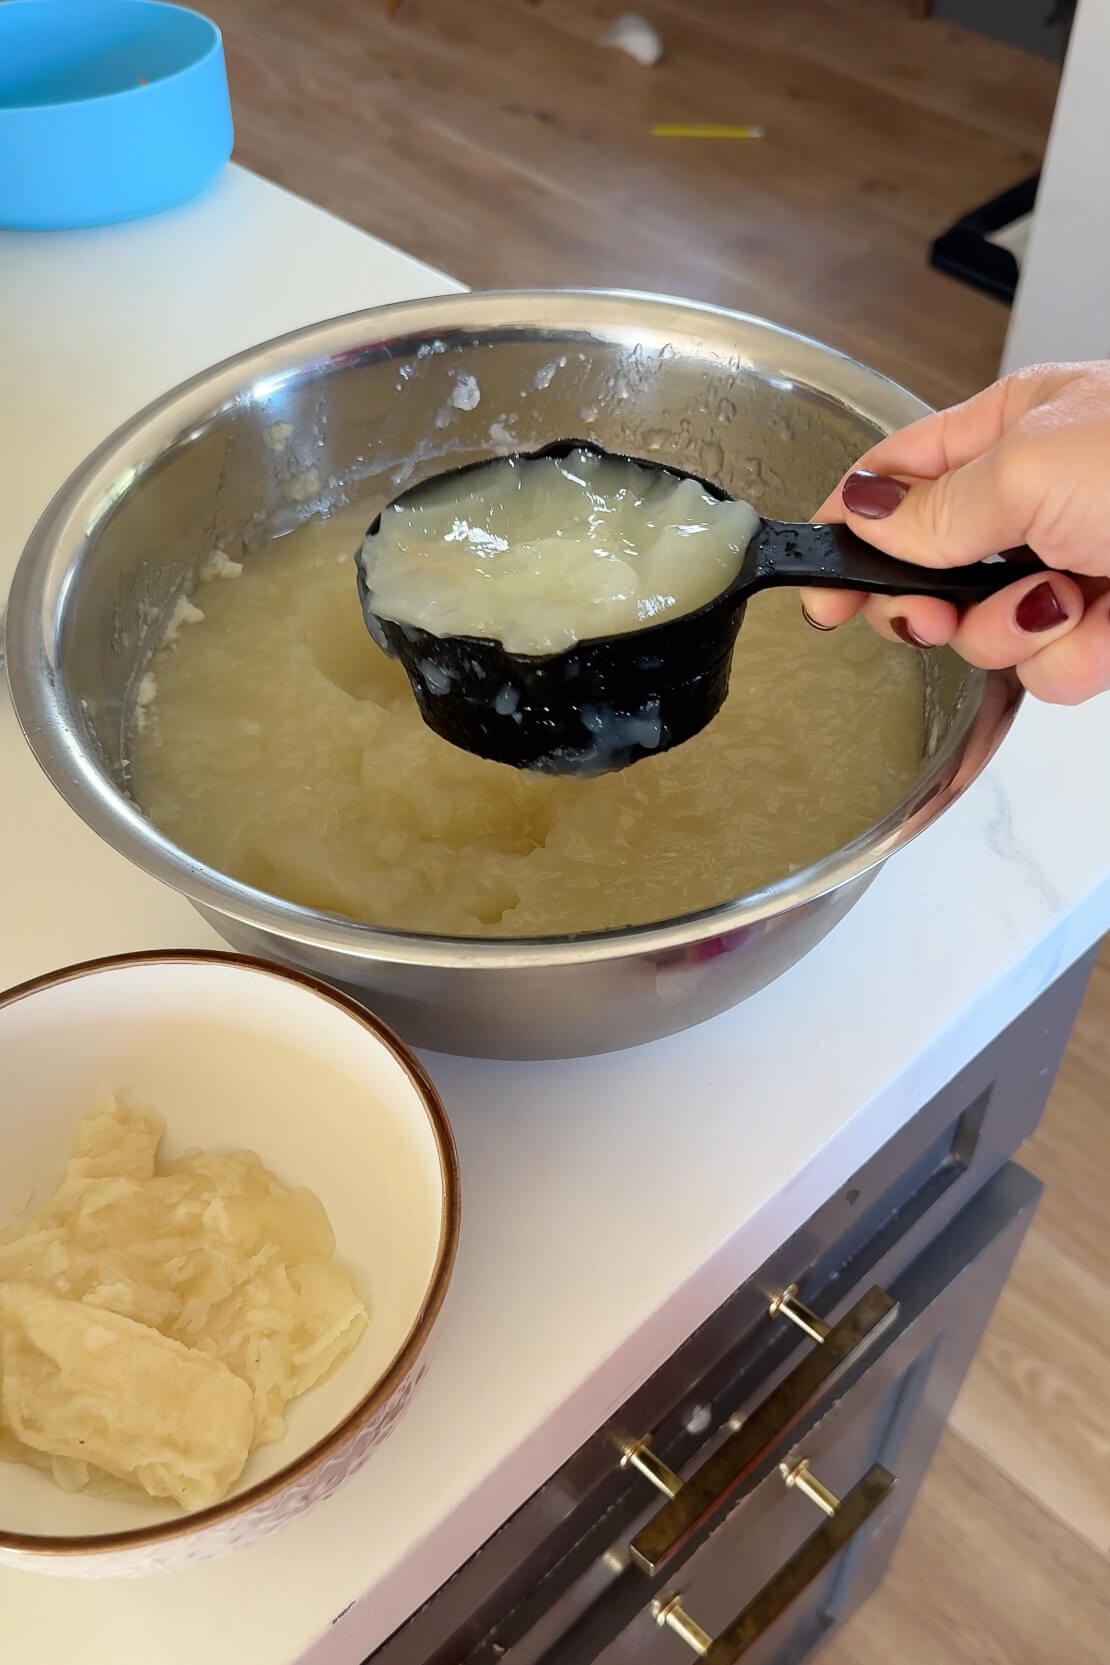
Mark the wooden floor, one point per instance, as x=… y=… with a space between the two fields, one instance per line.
x=497 y=141
x=494 y=139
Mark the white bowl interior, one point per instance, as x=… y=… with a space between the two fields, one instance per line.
x=232 y=1057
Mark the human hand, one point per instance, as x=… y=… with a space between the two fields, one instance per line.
x=1027 y=461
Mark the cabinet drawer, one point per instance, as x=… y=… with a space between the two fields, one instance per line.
x=769 y=1548
x=852 y=1453
x=562 y=1550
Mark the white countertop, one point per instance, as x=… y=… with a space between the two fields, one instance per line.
x=562 y=1303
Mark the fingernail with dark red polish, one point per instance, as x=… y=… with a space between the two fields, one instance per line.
x=1039 y=610
x=813 y=624
x=874 y=496
x=901 y=628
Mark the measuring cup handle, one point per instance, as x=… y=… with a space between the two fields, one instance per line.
x=832 y=557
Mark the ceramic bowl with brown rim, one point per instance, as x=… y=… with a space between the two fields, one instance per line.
x=235 y=1054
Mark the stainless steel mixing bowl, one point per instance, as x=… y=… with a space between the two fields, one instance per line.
x=352 y=410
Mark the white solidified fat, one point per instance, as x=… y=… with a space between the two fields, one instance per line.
x=184 y=612
x=219 y=565
x=145 y=695
x=542 y=553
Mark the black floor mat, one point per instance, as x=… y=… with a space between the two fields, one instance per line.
x=966 y=252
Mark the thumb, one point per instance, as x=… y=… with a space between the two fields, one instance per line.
x=965 y=515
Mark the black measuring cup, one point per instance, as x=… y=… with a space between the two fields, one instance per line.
x=610 y=700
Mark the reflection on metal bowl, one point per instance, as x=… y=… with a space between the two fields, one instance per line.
x=360 y=406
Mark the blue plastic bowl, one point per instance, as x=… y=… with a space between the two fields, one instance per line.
x=109 y=109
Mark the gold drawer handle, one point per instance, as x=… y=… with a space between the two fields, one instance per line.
x=787 y=1305
x=691 y=1502
x=845 y=1518
x=643 y=1459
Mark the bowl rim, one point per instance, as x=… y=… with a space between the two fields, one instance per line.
x=542 y=315
x=213 y=46
x=242 y=1503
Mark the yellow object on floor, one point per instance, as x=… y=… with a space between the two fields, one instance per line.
x=703 y=130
